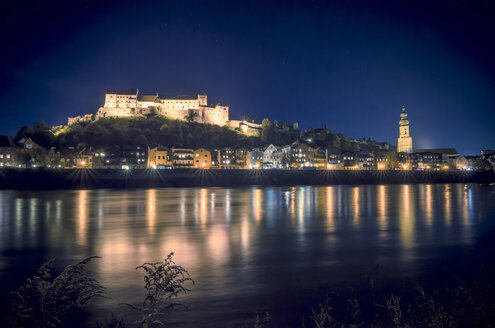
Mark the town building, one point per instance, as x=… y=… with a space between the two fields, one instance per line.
x=84 y=161
x=8 y=151
x=276 y=157
x=320 y=158
x=159 y=158
x=445 y=158
x=255 y=158
x=350 y=161
x=334 y=159
x=202 y=158
x=489 y=155
x=242 y=158
x=301 y=155
x=366 y=160
x=426 y=161
x=226 y=158
x=132 y=157
x=182 y=158
x=28 y=144
x=404 y=142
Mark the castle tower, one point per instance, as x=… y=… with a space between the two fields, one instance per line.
x=404 y=142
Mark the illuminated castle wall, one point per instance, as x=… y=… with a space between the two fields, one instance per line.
x=130 y=103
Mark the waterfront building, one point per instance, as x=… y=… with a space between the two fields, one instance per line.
x=159 y=157
x=366 y=160
x=182 y=158
x=242 y=158
x=106 y=158
x=67 y=157
x=202 y=158
x=444 y=157
x=84 y=161
x=489 y=155
x=301 y=155
x=8 y=151
x=276 y=157
x=381 y=160
x=227 y=159
x=132 y=157
x=255 y=158
x=350 y=161
x=320 y=158
x=426 y=161
x=404 y=142
x=214 y=158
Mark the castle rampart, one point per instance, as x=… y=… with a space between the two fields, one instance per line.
x=131 y=103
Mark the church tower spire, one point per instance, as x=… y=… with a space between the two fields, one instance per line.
x=404 y=142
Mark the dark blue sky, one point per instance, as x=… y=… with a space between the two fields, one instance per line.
x=351 y=65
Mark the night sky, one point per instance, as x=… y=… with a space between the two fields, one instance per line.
x=351 y=65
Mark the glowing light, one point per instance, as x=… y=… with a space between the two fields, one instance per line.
x=381 y=166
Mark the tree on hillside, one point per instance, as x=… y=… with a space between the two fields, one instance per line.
x=392 y=159
x=44 y=138
x=24 y=132
x=142 y=141
x=267 y=131
x=40 y=125
x=191 y=116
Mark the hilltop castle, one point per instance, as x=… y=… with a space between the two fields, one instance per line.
x=131 y=103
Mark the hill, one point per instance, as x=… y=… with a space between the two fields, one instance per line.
x=158 y=130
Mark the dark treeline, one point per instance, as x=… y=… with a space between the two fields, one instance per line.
x=160 y=131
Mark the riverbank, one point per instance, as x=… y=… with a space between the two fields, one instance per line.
x=89 y=178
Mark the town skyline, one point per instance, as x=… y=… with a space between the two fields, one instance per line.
x=350 y=66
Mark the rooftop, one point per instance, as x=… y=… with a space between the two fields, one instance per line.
x=129 y=92
x=447 y=151
x=147 y=97
x=180 y=97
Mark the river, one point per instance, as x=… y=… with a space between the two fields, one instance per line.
x=252 y=249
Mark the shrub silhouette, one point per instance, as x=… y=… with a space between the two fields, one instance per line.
x=42 y=302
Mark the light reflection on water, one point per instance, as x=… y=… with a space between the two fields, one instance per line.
x=244 y=246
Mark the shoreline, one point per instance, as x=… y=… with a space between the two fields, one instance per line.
x=52 y=179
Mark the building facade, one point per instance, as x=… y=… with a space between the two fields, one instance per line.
x=182 y=158
x=202 y=158
x=159 y=157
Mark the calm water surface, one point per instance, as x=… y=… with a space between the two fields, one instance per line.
x=249 y=249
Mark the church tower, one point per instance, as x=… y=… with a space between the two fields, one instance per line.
x=404 y=142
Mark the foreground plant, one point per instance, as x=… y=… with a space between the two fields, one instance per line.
x=163 y=281
x=43 y=302
x=458 y=306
